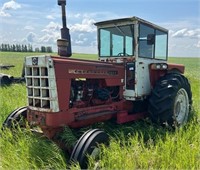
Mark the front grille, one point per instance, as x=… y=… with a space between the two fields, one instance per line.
x=41 y=84
x=37 y=80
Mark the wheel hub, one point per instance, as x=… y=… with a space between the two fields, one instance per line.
x=181 y=107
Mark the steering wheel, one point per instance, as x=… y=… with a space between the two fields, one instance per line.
x=122 y=54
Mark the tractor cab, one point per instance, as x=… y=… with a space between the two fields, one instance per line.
x=137 y=44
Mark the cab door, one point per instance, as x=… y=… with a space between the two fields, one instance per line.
x=130 y=81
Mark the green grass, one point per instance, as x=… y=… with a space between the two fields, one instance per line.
x=135 y=145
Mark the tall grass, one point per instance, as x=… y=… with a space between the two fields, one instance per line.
x=135 y=145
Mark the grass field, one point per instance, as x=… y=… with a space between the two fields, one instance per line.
x=136 y=145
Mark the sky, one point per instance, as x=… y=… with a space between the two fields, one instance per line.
x=38 y=22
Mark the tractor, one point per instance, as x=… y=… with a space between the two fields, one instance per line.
x=131 y=80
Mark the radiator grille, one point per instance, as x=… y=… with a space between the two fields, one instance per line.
x=37 y=81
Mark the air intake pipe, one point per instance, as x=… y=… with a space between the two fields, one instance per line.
x=64 y=44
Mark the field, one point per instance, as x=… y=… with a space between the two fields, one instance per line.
x=136 y=145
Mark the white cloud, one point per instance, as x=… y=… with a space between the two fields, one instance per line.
x=11 y=5
x=50 y=17
x=78 y=15
x=52 y=26
x=28 y=27
x=31 y=37
x=179 y=33
x=52 y=33
x=185 y=32
x=81 y=42
x=4 y=14
x=81 y=35
x=197 y=44
x=47 y=39
x=85 y=26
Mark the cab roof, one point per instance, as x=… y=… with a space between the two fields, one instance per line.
x=130 y=19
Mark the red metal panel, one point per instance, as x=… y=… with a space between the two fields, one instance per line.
x=124 y=117
x=178 y=67
x=156 y=74
x=71 y=68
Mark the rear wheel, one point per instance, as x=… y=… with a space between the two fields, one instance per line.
x=16 y=118
x=87 y=145
x=171 y=100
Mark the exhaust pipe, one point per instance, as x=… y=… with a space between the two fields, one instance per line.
x=64 y=44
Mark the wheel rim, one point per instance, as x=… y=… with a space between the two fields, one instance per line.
x=95 y=153
x=17 y=117
x=181 y=107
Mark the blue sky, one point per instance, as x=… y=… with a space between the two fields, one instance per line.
x=38 y=22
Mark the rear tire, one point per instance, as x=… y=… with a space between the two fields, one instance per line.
x=171 y=100
x=16 y=118
x=87 y=145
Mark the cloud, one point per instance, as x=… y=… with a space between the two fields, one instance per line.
x=28 y=27
x=31 y=37
x=185 y=32
x=52 y=33
x=11 y=5
x=78 y=15
x=47 y=39
x=51 y=27
x=197 y=45
x=4 y=14
x=81 y=42
x=179 y=33
x=50 y=17
x=85 y=26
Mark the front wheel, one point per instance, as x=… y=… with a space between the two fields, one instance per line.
x=171 y=100
x=87 y=145
x=16 y=118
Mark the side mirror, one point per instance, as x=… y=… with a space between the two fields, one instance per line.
x=150 y=39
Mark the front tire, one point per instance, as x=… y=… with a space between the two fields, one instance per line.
x=16 y=118
x=171 y=100
x=87 y=145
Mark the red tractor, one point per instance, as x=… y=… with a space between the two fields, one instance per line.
x=131 y=80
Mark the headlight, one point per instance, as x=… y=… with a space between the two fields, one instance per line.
x=164 y=66
x=159 y=66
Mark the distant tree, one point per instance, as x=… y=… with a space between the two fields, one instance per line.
x=1 y=47
x=30 y=48
x=49 y=49
x=14 y=48
x=8 y=47
x=22 y=48
x=43 y=49
x=18 y=48
x=25 y=48
x=37 y=49
x=5 y=47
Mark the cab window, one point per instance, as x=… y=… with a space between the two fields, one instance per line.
x=145 y=49
x=161 y=45
x=116 y=41
x=152 y=43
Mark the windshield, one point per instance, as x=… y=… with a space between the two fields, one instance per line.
x=116 y=41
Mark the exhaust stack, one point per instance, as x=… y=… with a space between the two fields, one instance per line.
x=64 y=44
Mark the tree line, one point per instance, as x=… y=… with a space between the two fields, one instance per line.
x=24 y=48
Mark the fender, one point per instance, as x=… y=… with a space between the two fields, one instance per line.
x=176 y=68
x=155 y=72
